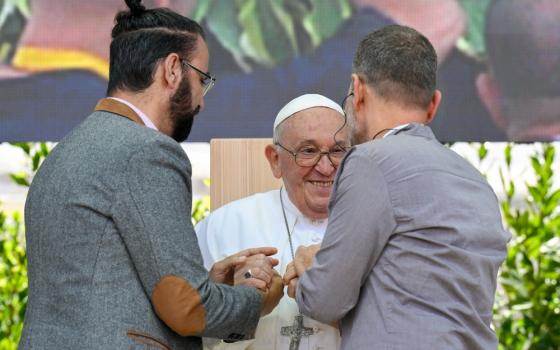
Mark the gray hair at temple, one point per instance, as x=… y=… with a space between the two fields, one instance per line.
x=399 y=63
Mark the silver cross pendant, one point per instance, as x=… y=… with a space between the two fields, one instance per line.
x=296 y=332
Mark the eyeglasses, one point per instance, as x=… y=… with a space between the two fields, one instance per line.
x=309 y=156
x=207 y=80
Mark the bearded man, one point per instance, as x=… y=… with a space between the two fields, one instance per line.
x=113 y=256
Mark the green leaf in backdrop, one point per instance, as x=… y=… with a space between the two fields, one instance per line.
x=267 y=32
x=472 y=42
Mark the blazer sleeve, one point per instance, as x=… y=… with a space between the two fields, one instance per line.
x=153 y=216
x=361 y=221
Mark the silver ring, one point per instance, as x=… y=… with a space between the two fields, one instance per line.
x=248 y=274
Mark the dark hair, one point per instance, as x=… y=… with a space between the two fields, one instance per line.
x=143 y=36
x=399 y=63
x=523 y=47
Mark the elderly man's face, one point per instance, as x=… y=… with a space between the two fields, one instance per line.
x=309 y=188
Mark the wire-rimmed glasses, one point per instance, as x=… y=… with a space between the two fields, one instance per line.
x=206 y=80
x=309 y=156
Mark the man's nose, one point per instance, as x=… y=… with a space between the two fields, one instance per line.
x=325 y=166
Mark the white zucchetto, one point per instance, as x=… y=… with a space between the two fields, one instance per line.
x=303 y=102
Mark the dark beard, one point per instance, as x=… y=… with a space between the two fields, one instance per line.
x=181 y=112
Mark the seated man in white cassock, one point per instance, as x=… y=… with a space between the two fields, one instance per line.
x=310 y=140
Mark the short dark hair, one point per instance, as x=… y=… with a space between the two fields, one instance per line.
x=399 y=63
x=523 y=47
x=141 y=37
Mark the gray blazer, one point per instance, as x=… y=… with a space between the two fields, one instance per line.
x=412 y=249
x=113 y=257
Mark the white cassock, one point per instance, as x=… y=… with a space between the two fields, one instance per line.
x=257 y=221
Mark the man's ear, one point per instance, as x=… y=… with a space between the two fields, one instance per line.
x=489 y=93
x=274 y=160
x=172 y=71
x=359 y=90
x=433 y=107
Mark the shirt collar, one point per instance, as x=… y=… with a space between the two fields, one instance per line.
x=396 y=129
x=147 y=121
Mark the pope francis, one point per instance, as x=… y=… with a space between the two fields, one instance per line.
x=310 y=140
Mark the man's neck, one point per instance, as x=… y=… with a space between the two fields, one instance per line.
x=150 y=106
x=388 y=116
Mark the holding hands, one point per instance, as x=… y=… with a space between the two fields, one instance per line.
x=256 y=271
x=303 y=260
x=255 y=268
x=226 y=270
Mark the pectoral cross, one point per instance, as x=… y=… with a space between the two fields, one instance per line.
x=296 y=332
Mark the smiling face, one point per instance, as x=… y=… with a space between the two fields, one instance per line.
x=309 y=188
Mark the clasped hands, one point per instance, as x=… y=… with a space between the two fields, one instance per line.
x=252 y=267
x=255 y=267
x=303 y=260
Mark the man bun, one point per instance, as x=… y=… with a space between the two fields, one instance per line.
x=135 y=6
x=132 y=19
